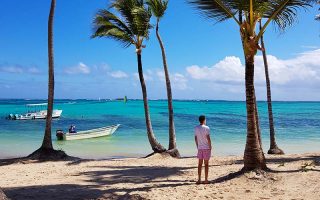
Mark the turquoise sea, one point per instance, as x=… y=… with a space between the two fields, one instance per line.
x=297 y=127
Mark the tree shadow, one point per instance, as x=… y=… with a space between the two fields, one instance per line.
x=281 y=159
x=10 y=161
x=133 y=174
x=310 y=162
x=288 y=160
x=64 y=191
x=26 y=160
x=228 y=177
x=2 y=195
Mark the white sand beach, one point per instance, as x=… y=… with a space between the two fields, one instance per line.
x=161 y=177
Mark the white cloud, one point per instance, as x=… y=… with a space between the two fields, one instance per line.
x=81 y=68
x=12 y=69
x=17 y=69
x=229 y=69
x=34 y=70
x=118 y=74
x=147 y=76
x=178 y=81
x=303 y=69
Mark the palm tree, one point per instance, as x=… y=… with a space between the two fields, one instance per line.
x=46 y=150
x=282 y=13
x=318 y=16
x=132 y=28
x=274 y=149
x=158 y=8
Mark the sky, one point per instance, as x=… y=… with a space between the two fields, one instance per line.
x=205 y=58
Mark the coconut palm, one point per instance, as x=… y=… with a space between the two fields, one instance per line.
x=47 y=141
x=46 y=150
x=158 y=8
x=318 y=16
x=274 y=149
x=282 y=13
x=131 y=28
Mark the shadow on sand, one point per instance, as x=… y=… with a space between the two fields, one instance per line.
x=103 y=183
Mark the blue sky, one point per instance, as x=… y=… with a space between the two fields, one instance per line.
x=205 y=59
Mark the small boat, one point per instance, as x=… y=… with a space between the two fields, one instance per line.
x=125 y=99
x=93 y=133
x=35 y=111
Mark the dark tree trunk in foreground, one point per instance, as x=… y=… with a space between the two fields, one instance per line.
x=173 y=151
x=253 y=155
x=274 y=149
x=155 y=145
x=47 y=141
x=3 y=196
x=46 y=151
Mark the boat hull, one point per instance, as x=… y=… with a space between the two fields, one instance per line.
x=36 y=115
x=94 y=133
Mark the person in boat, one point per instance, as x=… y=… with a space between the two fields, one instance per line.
x=72 y=129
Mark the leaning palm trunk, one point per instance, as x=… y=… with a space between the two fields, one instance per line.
x=253 y=155
x=46 y=151
x=274 y=149
x=155 y=145
x=47 y=141
x=172 y=135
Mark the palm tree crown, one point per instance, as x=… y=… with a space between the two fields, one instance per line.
x=280 y=12
x=158 y=7
x=318 y=16
x=131 y=27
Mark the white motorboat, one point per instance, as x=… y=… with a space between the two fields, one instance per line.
x=93 y=133
x=35 y=111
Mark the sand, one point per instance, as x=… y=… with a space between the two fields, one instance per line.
x=292 y=177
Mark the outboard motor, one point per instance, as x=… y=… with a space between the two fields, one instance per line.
x=10 y=117
x=60 y=134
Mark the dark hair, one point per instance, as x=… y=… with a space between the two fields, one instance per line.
x=202 y=118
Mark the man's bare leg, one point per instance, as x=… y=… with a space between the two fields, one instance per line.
x=206 y=171
x=199 y=170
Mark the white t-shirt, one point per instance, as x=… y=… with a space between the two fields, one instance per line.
x=202 y=131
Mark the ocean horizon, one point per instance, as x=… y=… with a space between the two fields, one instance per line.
x=297 y=125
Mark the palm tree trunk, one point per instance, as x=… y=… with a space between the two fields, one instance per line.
x=172 y=134
x=274 y=149
x=155 y=145
x=46 y=151
x=47 y=141
x=253 y=155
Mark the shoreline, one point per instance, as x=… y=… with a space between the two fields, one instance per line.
x=161 y=177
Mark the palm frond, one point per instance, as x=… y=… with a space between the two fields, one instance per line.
x=318 y=16
x=130 y=27
x=141 y=21
x=158 y=7
x=218 y=10
x=136 y=15
x=283 y=13
x=106 y=24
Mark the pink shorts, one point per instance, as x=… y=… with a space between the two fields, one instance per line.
x=204 y=154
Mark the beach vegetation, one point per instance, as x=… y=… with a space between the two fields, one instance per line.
x=246 y=14
x=158 y=8
x=46 y=151
x=128 y=22
x=274 y=149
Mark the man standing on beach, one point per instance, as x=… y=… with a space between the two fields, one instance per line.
x=203 y=142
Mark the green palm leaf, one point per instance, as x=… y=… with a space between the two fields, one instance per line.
x=158 y=7
x=283 y=13
x=129 y=28
x=318 y=16
x=218 y=10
